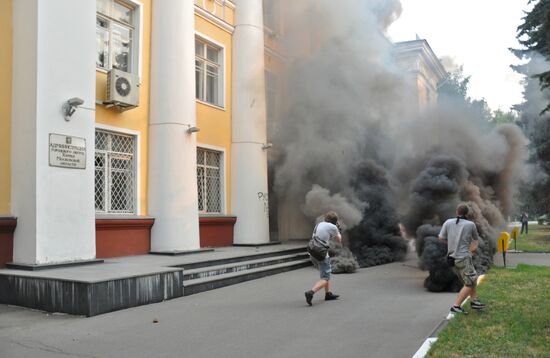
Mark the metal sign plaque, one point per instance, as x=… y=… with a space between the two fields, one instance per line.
x=67 y=151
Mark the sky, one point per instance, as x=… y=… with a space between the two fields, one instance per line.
x=477 y=35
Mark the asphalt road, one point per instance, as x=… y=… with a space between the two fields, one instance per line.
x=384 y=312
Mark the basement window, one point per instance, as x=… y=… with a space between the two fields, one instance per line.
x=115 y=173
x=209 y=181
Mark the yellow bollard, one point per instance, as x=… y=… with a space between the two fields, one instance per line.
x=502 y=246
x=515 y=234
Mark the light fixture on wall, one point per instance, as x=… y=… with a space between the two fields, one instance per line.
x=193 y=130
x=70 y=106
x=266 y=146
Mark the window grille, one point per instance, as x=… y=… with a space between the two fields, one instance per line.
x=209 y=180
x=115 y=174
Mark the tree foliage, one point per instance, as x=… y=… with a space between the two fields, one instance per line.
x=455 y=85
x=501 y=117
x=455 y=89
x=533 y=34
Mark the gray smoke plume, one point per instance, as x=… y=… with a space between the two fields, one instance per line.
x=348 y=124
x=318 y=201
x=335 y=122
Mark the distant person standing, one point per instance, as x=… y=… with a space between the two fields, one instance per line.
x=524 y=223
x=462 y=239
x=322 y=234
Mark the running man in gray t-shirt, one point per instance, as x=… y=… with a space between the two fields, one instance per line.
x=460 y=235
x=323 y=232
x=462 y=239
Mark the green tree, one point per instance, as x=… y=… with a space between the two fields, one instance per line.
x=454 y=89
x=533 y=34
x=501 y=117
x=455 y=85
x=481 y=108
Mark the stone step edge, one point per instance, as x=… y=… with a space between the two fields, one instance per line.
x=199 y=264
x=217 y=281
x=244 y=263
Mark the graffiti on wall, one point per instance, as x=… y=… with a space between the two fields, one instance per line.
x=264 y=198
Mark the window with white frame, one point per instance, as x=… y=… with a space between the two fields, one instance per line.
x=209 y=181
x=115 y=35
x=115 y=173
x=208 y=72
x=271 y=94
x=271 y=88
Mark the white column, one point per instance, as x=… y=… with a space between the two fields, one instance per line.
x=249 y=160
x=172 y=180
x=54 y=51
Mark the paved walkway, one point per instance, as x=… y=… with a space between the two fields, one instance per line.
x=514 y=258
x=384 y=312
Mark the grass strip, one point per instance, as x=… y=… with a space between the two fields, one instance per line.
x=538 y=239
x=516 y=322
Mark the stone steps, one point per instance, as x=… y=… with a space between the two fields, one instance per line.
x=210 y=278
x=70 y=292
x=216 y=270
x=229 y=260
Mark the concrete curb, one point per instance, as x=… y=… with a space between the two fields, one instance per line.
x=432 y=338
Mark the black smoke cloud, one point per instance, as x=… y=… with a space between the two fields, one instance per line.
x=432 y=254
x=349 y=134
x=471 y=163
x=377 y=239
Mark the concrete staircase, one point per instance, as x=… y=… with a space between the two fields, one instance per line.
x=121 y=283
x=209 y=275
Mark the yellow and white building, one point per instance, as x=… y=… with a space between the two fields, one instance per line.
x=130 y=126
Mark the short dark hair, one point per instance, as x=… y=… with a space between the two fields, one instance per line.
x=331 y=217
x=462 y=209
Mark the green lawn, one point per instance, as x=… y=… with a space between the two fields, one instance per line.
x=516 y=322
x=538 y=239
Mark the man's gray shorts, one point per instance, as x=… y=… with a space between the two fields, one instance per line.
x=324 y=268
x=465 y=270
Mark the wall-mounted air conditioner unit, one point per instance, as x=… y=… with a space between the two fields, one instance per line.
x=122 y=90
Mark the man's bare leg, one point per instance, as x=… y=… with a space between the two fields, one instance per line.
x=465 y=292
x=321 y=284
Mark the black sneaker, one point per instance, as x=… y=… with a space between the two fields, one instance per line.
x=309 y=296
x=329 y=296
x=475 y=304
x=458 y=309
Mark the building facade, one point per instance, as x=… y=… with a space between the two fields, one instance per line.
x=120 y=131
x=423 y=67
x=137 y=126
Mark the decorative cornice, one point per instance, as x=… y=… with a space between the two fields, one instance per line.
x=217 y=220
x=230 y=4
x=275 y=54
x=124 y=223
x=214 y=19
x=422 y=48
